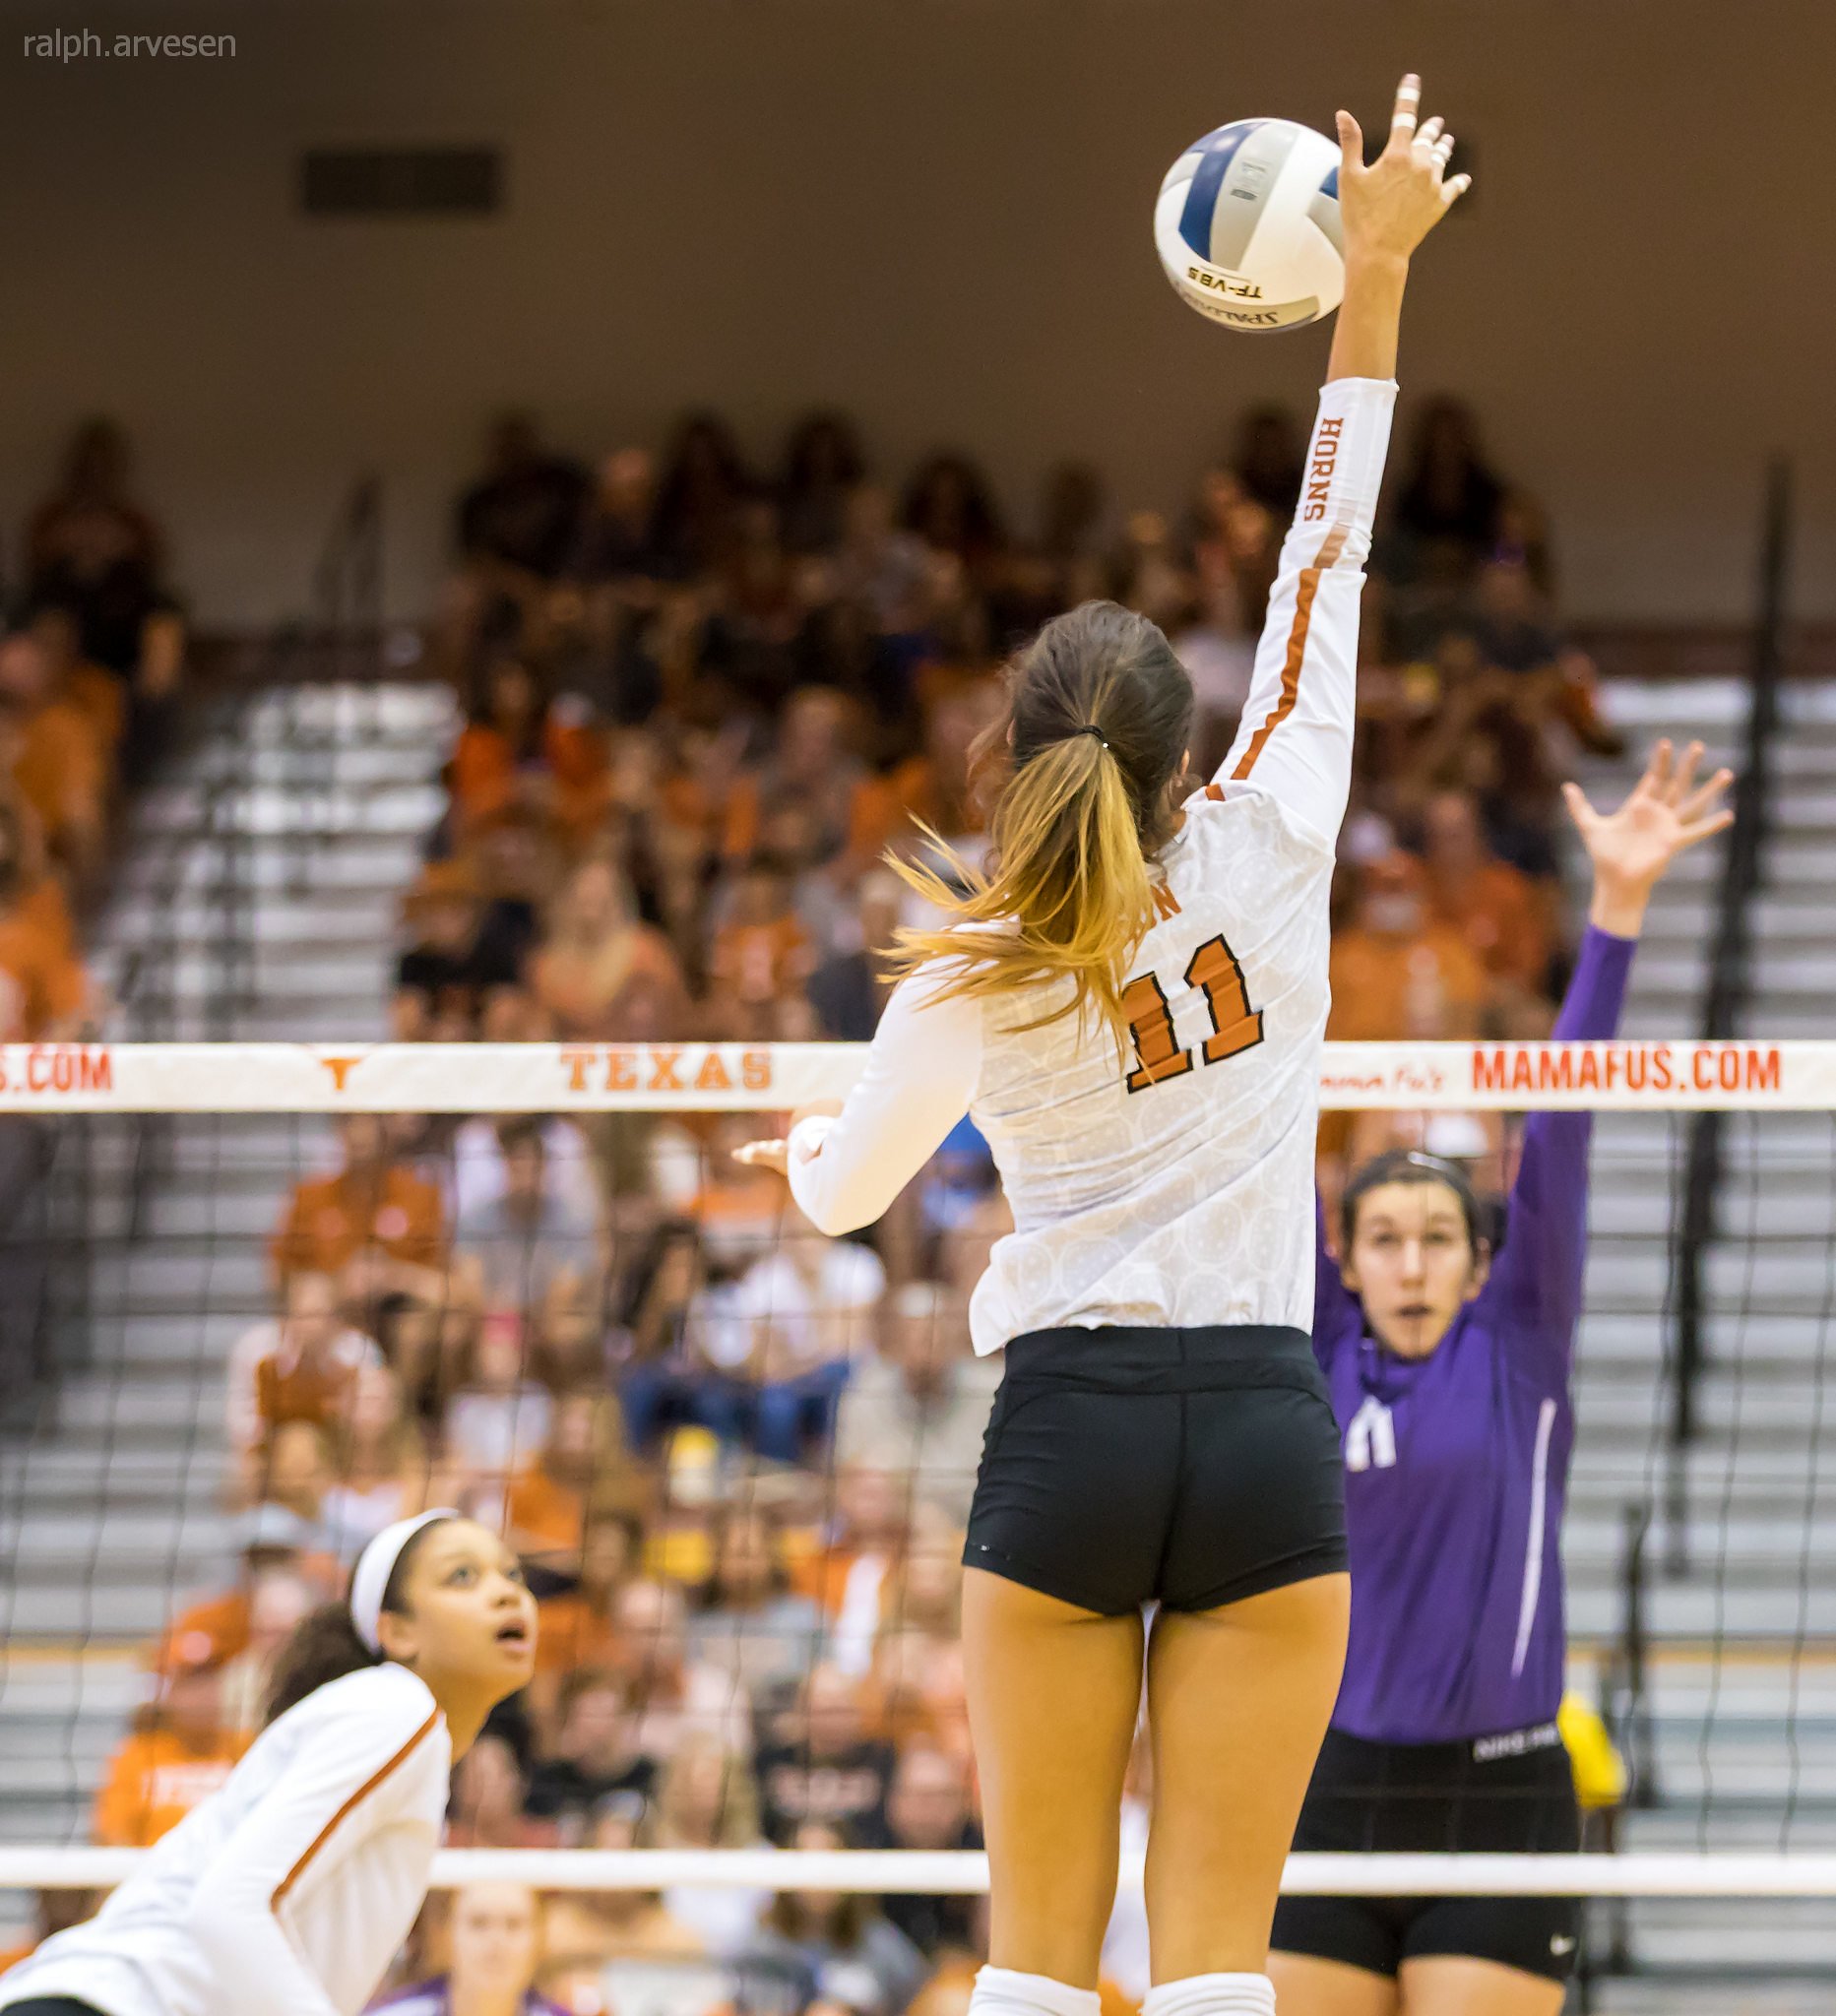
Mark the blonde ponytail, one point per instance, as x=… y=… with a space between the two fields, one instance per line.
x=1099 y=713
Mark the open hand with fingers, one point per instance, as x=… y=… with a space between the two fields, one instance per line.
x=1388 y=208
x=1668 y=813
x=775 y=1153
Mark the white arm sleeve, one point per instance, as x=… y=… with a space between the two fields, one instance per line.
x=1295 y=740
x=922 y=1068
x=320 y=1809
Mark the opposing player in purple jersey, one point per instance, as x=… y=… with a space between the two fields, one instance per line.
x=1448 y=1366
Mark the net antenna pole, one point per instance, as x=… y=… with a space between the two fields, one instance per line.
x=1726 y=997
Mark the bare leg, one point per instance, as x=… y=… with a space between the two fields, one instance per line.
x=1239 y=1700
x=1451 y=1984
x=1305 y=1985
x=1053 y=1694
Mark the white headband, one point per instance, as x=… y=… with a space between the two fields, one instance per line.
x=369 y=1579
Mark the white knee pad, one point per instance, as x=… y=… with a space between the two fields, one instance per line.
x=1212 y=1994
x=1001 y=1991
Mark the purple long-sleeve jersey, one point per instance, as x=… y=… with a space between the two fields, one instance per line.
x=1456 y=1464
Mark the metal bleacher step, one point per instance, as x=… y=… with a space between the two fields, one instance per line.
x=1786 y=1540
x=153 y=1344
x=200 y=1269
x=60 y=1818
x=1748 y=1608
x=255 y=814
x=114 y=1609
x=119 y=1535
x=1771 y=1933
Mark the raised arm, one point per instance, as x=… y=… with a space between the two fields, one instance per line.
x=1538 y=1274
x=1295 y=737
x=1333 y=1301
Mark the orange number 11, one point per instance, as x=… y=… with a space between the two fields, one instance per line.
x=1236 y=1025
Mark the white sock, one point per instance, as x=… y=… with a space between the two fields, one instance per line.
x=1001 y=1991
x=1212 y=1994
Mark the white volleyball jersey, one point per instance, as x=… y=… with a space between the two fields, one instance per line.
x=1172 y=1186
x=288 y=1890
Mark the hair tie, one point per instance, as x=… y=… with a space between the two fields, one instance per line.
x=1090 y=727
x=369 y=1579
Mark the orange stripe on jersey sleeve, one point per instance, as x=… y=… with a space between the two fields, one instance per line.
x=356 y=1798
x=1297 y=651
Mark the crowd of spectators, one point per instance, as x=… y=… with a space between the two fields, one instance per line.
x=92 y=650
x=701 y=702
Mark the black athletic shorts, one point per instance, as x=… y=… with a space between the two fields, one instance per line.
x=1503 y=1795
x=1191 y=1467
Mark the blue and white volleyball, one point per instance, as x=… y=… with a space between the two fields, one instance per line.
x=1247 y=226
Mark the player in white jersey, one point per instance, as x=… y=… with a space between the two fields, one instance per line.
x=1131 y=1004
x=291 y=1889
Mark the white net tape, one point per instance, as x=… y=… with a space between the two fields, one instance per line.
x=561 y=1078
x=947 y=1873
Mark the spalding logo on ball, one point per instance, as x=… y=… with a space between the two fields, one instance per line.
x=1247 y=226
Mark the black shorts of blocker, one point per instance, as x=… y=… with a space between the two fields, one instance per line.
x=1503 y=1795
x=1190 y=1466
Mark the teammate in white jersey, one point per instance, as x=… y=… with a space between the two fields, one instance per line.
x=1131 y=1006
x=291 y=1889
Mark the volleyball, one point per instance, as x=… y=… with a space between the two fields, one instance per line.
x=1247 y=226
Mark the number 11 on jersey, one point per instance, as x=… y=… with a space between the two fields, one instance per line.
x=1236 y=1025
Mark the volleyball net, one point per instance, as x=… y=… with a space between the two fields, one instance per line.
x=264 y=1297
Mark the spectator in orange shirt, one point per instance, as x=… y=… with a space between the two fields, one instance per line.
x=582 y=1466
x=1398 y=976
x=1494 y=907
x=92 y=689
x=44 y=991
x=375 y=1225
x=519 y=752
x=179 y=1756
x=576 y=1627
x=847 y=1570
x=1397 y=973
x=56 y=759
x=298 y=1369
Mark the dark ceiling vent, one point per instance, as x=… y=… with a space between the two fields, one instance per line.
x=400 y=181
